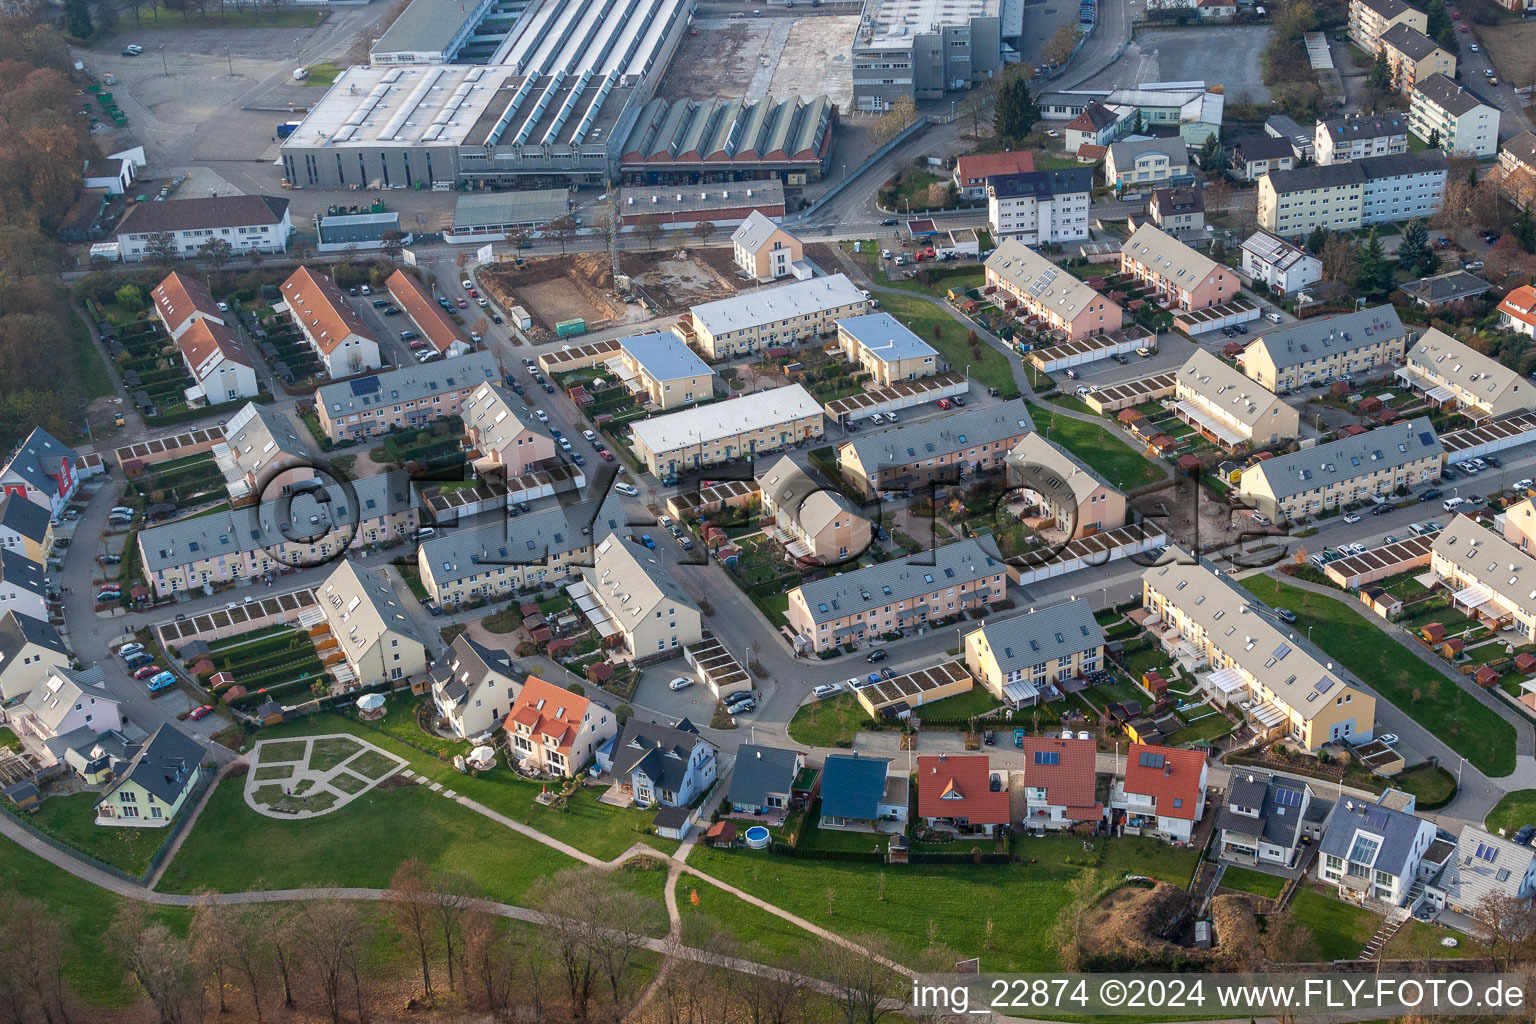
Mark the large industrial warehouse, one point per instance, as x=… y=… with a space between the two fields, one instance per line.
x=553 y=94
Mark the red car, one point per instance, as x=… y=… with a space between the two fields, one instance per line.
x=147 y=671
x=200 y=712
x=606 y=454
x=462 y=304
x=474 y=294
x=945 y=403
x=418 y=343
x=1461 y=28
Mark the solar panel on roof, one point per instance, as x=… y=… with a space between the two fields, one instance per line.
x=1047 y=757
x=1426 y=438
x=1376 y=817
x=1288 y=797
x=1324 y=685
x=365 y=385
x=1151 y=759
x=1487 y=852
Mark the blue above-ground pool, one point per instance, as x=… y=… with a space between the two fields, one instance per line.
x=757 y=837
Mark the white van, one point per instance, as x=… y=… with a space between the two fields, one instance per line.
x=1452 y=504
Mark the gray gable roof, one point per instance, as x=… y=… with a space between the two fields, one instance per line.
x=1262 y=147
x=904 y=578
x=942 y=435
x=407 y=384
x=1450 y=96
x=1406 y=39
x=662 y=752
x=16 y=631
x=27 y=518
x=1355 y=826
x=1059 y=631
x=1523 y=148
x=56 y=695
x=754 y=231
x=531 y=538
x=1280 y=801
x=165 y=766
x=1396 y=444
x=761 y=771
x=37 y=460
x=467 y=666
x=1488 y=865
x=1312 y=339
x=20 y=571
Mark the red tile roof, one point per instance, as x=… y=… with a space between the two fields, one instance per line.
x=1520 y=304
x=548 y=710
x=1175 y=777
x=199 y=342
x=959 y=787
x=322 y=308
x=426 y=314
x=984 y=165
x=1067 y=777
x=179 y=296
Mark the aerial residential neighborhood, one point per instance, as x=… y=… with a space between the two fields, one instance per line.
x=666 y=511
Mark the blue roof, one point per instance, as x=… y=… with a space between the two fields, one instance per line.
x=852 y=787
x=665 y=356
x=885 y=337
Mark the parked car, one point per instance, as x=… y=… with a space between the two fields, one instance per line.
x=1286 y=615
x=945 y=403
x=147 y=671
x=161 y=681
x=1381 y=510
x=1351 y=518
x=200 y=712
x=1260 y=519
x=110 y=559
x=541 y=415
x=1494 y=461
x=879 y=654
x=825 y=690
x=960 y=400
x=626 y=489
x=605 y=454
x=591 y=437
x=680 y=683
x=1430 y=494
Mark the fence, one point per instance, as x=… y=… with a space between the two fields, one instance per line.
x=174 y=829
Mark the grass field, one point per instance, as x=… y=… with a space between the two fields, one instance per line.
x=1115 y=460
x=328 y=753
x=1516 y=808
x=1256 y=882
x=1470 y=728
x=1433 y=785
x=962 y=705
x=746 y=923
x=323 y=74
x=1341 y=930
x=73 y=819
x=990 y=369
x=1510 y=46
x=90 y=371
x=828 y=723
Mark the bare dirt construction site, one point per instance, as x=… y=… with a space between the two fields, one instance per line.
x=558 y=288
x=757 y=57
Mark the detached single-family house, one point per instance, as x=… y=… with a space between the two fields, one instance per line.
x=157 y=783
x=1163 y=792
x=1059 y=783
x=63 y=702
x=1264 y=818
x=862 y=794
x=1484 y=866
x=1371 y=851
x=473 y=687
x=662 y=764
x=42 y=471
x=29 y=649
x=763 y=780
x=554 y=731
x=1136 y=162
x=1257 y=155
x=961 y=792
x=763 y=250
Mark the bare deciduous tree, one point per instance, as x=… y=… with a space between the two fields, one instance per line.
x=330 y=937
x=159 y=962
x=454 y=894
x=32 y=962
x=282 y=943
x=865 y=986
x=210 y=942
x=409 y=911
x=490 y=962
x=562 y=230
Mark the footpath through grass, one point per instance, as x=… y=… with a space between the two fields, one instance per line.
x=1468 y=726
x=1115 y=460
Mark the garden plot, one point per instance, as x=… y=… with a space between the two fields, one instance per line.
x=315 y=775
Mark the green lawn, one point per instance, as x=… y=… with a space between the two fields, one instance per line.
x=1256 y=882
x=290 y=751
x=1517 y=808
x=829 y=723
x=1435 y=702
x=328 y=753
x=1433 y=785
x=747 y=923
x=231 y=848
x=90 y=370
x=989 y=369
x=594 y=828
x=1416 y=940
x=73 y=819
x=1115 y=460
x=1211 y=727
x=1341 y=930
x=323 y=74
x=978 y=700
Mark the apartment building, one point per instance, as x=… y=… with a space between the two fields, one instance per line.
x=331 y=327
x=1369 y=19
x=402 y=399
x=1230 y=409
x=1413 y=57
x=1518 y=155
x=1178 y=211
x=943 y=448
x=1340 y=140
x=553 y=730
x=436 y=326
x=247 y=223
x=1406 y=187
x=1163 y=791
x=742 y=427
x=1365 y=343
x=1202 y=615
x=972 y=170
x=1179 y=277
x=763 y=250
x=1131 y=163
x=507 y=440
x=1040 y=207
x=370 y=627
x=1281 y=266
x=1063 y=488
x=301 y=531
x=635 y=597
x=657 y=368
x=1449 y=373
x=499 y=556
x=788 y=314
x=886 y=349
x=1047 y=294
x=1369 y=465
x=1517 y=311
x=1373 y=852
x=917 y=591
x=1454 y=117
x=818 y=524
x=1257 y=155
x=1020 y=659
x=1490 y=577
x=1343 y=197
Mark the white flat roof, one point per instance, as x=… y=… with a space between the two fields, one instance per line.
x=726 y=419
x=770 y=305
x=400 y=106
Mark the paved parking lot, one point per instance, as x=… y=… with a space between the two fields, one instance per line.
x=1226 y=55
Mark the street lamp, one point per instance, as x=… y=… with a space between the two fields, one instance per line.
x=230 y=61
x=163 y=62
